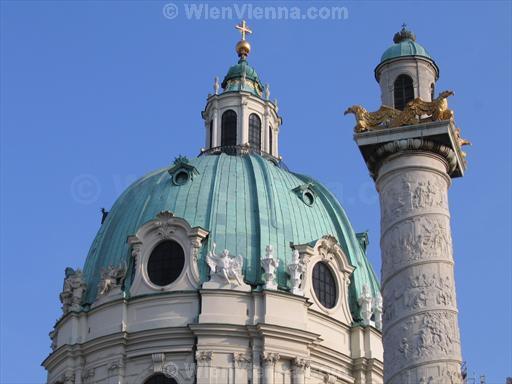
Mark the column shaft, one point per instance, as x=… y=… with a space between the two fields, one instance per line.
x=420 y=330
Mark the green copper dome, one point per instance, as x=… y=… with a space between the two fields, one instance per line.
x=404 y=48
x=233 y=81
x=245 y=202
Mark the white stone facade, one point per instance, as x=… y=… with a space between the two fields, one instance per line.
x=205 y=335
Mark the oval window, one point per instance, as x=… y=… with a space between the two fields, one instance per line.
x=165 y=263
x=324 y=285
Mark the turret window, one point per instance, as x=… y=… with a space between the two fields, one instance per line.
x=404 y=91
x=228 y=128
x=255 y=131
x=432 y=92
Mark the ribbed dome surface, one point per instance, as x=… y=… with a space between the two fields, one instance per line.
x=246 y=203
x=404 y=48
x=232 y=79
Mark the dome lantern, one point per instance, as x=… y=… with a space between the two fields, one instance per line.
x=241 y=118
x=406 y=71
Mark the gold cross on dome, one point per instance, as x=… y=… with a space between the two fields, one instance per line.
x=243 y=28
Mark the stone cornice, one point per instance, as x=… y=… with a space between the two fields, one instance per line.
x=286 y=333
x=218 y=329
x=321 y=355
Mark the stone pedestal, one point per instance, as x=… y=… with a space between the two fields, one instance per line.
x=412 y=167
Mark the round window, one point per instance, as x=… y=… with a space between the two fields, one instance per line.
x=180 y=177
x=165 y=263
x=324 y=285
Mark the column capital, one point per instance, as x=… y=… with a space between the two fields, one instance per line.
x=241 y=359
x=438 y=137
x=301 y=362
x=204 y=356
x=269 y=358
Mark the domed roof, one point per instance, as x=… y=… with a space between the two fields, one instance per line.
x=232 y=80
x=407 y=47
x=245 y=202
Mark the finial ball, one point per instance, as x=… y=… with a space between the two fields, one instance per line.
x=243 y=48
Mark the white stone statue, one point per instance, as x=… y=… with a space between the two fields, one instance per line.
x=244 y=81
x=377 y=310
x=225 y=271
x=365 y=302
x=216 y=86
x=270 y=265
x=73 y=290
x=267 y=91
x=296 y=269
x=53 y=338
x=112 y=277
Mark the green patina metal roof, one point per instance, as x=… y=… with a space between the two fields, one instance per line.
x=246 y=203
x=232 y=80
x=407 y=47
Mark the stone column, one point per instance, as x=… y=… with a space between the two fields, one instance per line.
x=241 y=365
x=420 y=327
x=420 y=324
x=269 y=361
x=300 y=365
x=216 y=133
x=243 y=130
x=203 y=372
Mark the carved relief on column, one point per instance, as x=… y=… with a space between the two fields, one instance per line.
x=417 y=239
x=432 y=335
x=420 y=330
x=429 y=287
x=412 y=192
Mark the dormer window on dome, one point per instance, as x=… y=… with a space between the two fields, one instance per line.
x=240 y=119
x=324 y=285
x=182 y=171
x=306 y=193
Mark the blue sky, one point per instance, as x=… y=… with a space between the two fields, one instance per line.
x=96 y=94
